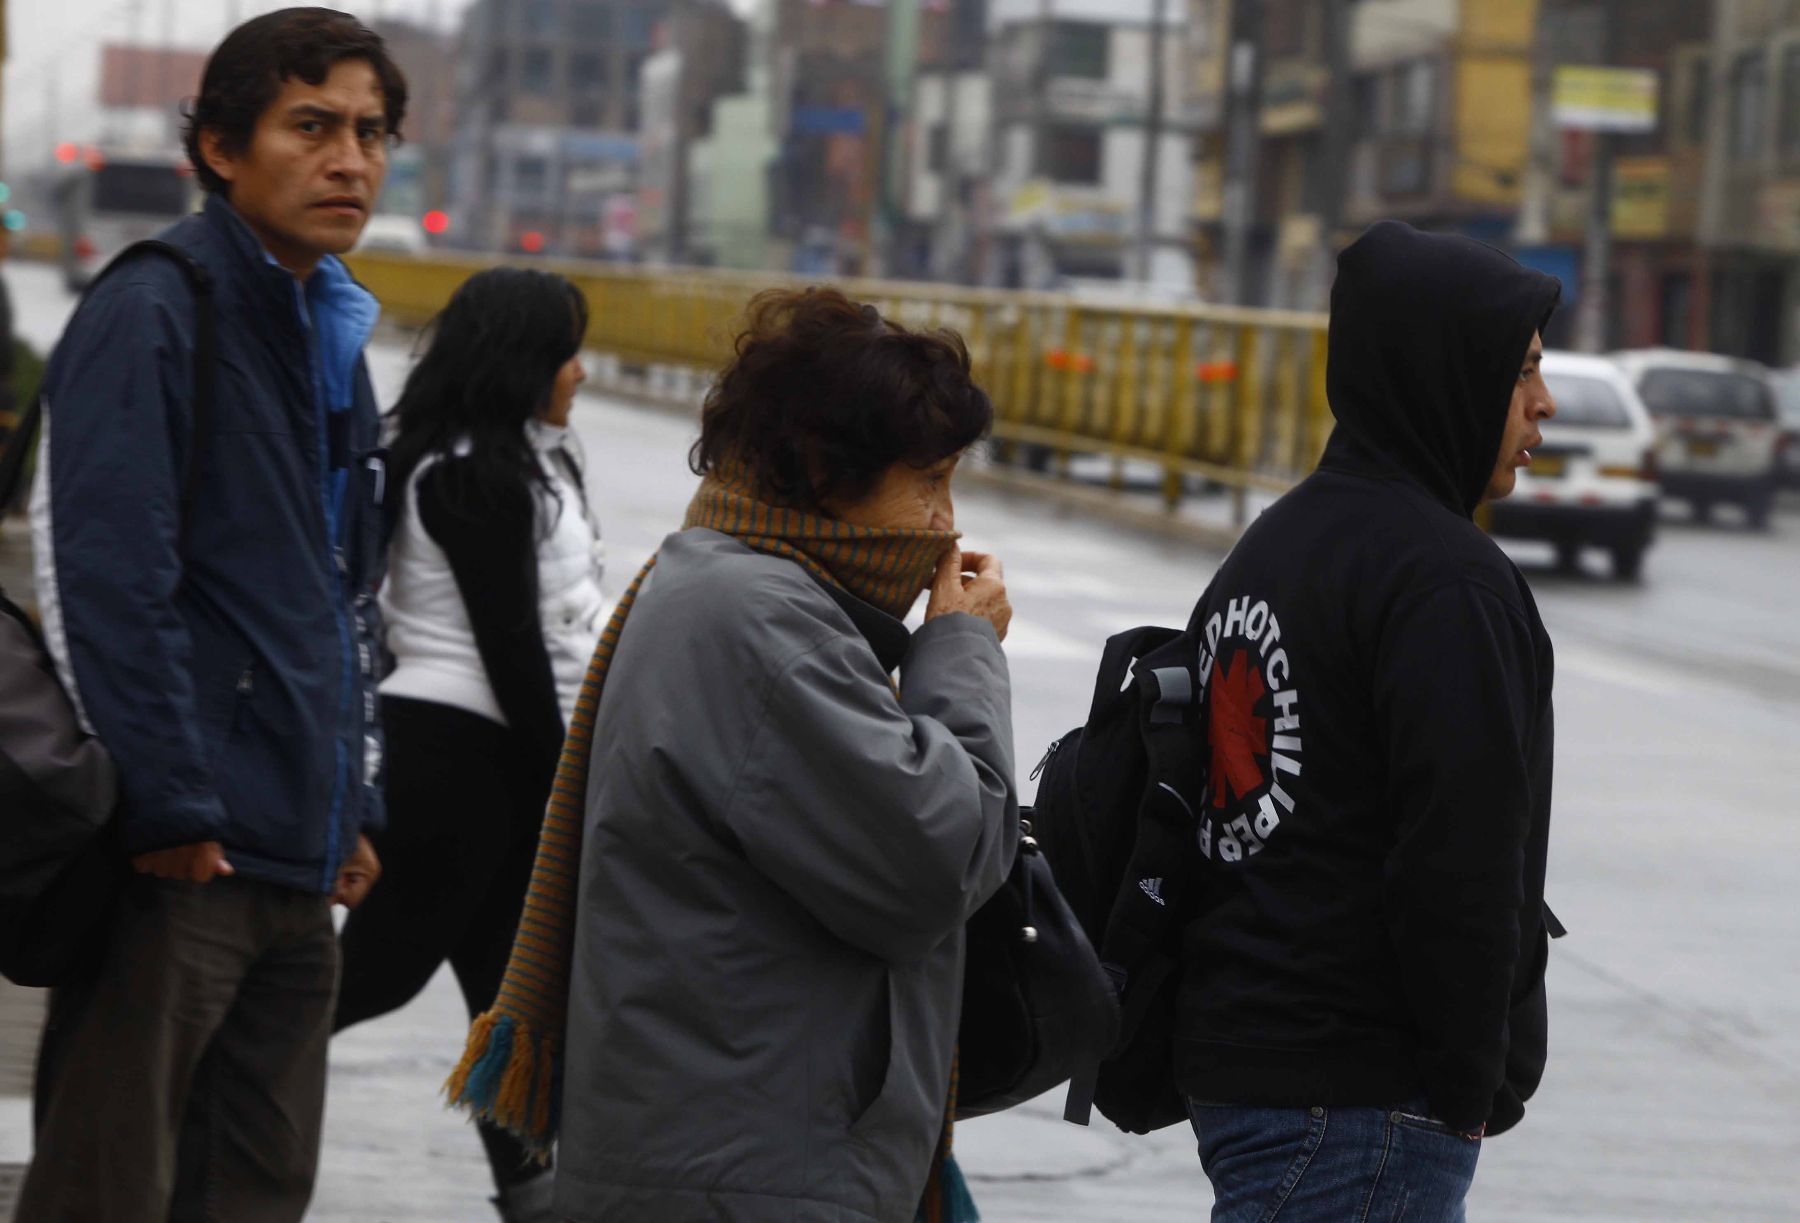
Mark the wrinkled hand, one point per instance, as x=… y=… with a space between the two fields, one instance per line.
x=201 y=862
x=953 y=589
x=358 y=874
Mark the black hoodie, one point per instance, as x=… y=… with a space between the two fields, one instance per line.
x=1377 y=716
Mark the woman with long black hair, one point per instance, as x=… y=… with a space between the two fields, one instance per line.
x=493 y=605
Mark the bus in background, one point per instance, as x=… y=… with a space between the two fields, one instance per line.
x=108 y=201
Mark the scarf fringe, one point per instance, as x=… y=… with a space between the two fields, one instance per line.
x=947 y=1198
x=507 y=1076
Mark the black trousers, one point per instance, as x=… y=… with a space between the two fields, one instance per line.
x=463 y=819
x=181 y=1079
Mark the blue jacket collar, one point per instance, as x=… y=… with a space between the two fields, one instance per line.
x=341 y=311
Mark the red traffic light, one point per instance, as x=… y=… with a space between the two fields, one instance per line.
x=67 y=152
x=436 y=221
x=531 y=241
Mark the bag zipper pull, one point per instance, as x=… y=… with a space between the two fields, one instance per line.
x=1048 y=752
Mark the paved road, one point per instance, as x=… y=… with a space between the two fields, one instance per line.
x=1675 y=1054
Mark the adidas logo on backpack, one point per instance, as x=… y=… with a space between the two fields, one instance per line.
x=1152 y=888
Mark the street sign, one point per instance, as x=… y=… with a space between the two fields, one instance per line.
x=1606 y=99
x=1640 y=204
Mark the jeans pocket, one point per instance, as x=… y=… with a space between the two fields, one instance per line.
x=1416 y=1115
x=1255 y=1157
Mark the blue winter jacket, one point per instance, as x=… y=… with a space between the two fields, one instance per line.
x=231 y=673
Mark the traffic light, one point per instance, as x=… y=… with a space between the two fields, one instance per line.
x=67 y=152
x=436 y=222
x=13 y=220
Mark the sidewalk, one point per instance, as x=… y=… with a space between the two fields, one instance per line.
x=21 y=1010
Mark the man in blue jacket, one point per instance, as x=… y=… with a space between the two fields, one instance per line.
x=225 y=654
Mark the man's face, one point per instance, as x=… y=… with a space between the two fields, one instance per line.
x=314 y=165
x=1531 y=403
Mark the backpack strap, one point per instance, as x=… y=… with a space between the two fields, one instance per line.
x=205 y=363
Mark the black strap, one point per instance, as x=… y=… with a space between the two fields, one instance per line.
x=205 y=362
x=1553 y=927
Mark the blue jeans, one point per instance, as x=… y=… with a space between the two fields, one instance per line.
x=1333 y=1165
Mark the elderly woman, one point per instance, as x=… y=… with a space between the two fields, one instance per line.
x=777 y=846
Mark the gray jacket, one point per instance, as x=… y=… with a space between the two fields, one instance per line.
x=780 y=853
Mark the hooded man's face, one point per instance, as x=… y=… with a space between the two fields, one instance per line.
x=1531 y=403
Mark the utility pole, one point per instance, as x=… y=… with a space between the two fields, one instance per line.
x=1244 y=83
x=902 y=73
x=1331 y=168
x=1153 y=130
x=1595 y=307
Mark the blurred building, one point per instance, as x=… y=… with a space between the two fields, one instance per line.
x=828 y=78
x=141 y=91
x=1420 y=110
x=700 y=60
x=1657 y=282
x=1071 y=116
x=418 y=179
x=547 y=112
x=1750 y=209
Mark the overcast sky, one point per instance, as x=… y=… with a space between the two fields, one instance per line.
x=53 y=53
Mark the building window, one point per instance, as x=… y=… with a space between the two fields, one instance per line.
x=591 y=22
x=499 y=68
x=1079 y=49
x=587 y=71
x=1203 y=26
x=1790 y=104
x=1415 y=97
x=937 y=148
x=531 y=177
x=540 y=18
x=637 y=25
x=1071 y=155
x=536 y=71
x=1749 y=104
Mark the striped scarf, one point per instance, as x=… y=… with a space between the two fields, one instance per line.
x=511 y=1068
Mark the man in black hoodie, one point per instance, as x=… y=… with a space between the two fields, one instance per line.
x=1363 y=997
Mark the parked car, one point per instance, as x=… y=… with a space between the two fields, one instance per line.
x=1593 y=481
x=393 y=234
x=1787 y=404
x=1716 y=426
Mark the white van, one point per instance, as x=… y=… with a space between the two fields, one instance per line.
x=111 y=200
x=1716 y=425
x=1593 y=481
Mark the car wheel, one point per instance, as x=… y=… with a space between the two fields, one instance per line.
x=1568 y=556
x=1702 y=511
x=1628 y=562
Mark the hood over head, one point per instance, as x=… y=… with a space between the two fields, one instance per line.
x=1428 y=332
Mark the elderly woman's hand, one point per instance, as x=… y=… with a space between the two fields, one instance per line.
x=983 y=594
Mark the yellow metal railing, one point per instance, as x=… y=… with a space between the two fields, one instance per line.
x=1235 y=397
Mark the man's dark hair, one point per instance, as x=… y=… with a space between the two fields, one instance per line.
x=824 y=395
x=247 y=70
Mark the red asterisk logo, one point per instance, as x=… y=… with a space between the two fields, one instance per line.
x=1237 y=732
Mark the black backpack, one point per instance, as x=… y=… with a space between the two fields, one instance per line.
x=59 y=868
x=1115 y=814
